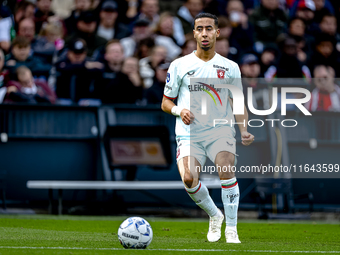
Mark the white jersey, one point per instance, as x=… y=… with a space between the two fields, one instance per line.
x=189 y=94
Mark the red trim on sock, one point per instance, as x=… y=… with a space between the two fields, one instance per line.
x=196 y=190
x=228 y=187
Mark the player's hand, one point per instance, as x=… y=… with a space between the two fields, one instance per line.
x=187 y=116
x=247 y=138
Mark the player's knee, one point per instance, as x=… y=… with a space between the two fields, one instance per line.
x=226 y=175
x=188 y=180
x=225 y=157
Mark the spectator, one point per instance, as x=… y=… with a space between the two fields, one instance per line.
x=108 y=27
x=114 y=56
x=305 y=7
x=86 y=27
x=20 y=56
x=268 y=58
x=296 y=30
x=148 y=65
x=329 y=25
x=189 y=46
x=268 y=21
x=166 y=27
x=7 y=8
x=154 y=94
x=325 y=53
x=5 y=33
x=225 y=27
x=3 y=76
x=76 y=74
x=173 y=50
x=99 y=54
x=145 y=47
x=49 y=42
x=130 y=9
x=42 y=13
x=62 y=8
x=302 y=51
x=251 y=72
x=95 y=4
x=250 y=67
x=3 y=73
x=26 y=28
x=321 y=9
x=296 y=27
x=326 y=95
x=242 y=34
x=188 y=12
x=149 y=10
x=306 y=12
x=23 y=10
x=142 y=31
x=288 y=65
x=114 y=86
x=131 y=69
x=71 y=22
x=28 y=90
x=222 y=47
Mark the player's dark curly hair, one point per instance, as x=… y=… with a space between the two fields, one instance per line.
x=207 y=15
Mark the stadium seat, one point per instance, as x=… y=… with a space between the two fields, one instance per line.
x=275 y=188
x=3 y=188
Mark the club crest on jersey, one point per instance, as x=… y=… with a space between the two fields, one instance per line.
x=220 y=73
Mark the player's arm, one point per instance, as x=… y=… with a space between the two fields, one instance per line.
x=242 y=120
x=169 y=106
x=247 y=138
x=171 y=91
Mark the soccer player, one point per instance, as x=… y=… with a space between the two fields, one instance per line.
x=196 y=138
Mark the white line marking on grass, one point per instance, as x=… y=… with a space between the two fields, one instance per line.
x=122 y=249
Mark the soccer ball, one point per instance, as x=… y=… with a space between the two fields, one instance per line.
x=135 y=233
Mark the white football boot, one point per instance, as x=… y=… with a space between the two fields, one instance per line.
x=215 y=226
x=231 y=236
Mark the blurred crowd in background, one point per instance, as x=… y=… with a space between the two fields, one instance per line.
x=92 y=52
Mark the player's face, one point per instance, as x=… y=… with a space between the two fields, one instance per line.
x=206 y=33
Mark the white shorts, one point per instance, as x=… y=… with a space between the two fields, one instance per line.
x=203 y=149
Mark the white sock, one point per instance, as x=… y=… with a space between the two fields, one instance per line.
x=230 y=198
x=201 y=197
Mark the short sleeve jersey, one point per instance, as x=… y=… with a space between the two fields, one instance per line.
x=190 y=94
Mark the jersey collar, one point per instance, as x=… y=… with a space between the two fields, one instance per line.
x=204 y=61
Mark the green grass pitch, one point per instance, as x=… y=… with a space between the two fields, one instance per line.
x=98 y=235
